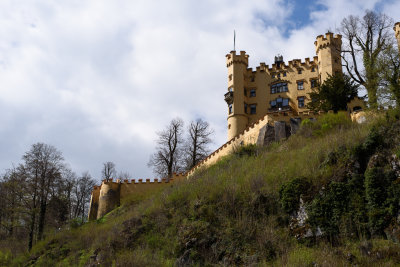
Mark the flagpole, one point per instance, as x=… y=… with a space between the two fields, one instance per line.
x=234 y=40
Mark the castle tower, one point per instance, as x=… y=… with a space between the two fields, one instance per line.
x=328 y=51
x=237 y=118
x=397 y=33
x=109 y=196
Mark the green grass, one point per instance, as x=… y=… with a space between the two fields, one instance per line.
x=228 y=214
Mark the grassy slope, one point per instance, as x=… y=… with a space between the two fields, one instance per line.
x=227 y=214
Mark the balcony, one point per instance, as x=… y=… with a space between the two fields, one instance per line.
x=229 y=98
x=280 y=109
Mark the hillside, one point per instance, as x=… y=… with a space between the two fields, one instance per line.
x=327 y=196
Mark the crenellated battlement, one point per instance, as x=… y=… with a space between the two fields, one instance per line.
x=233 y=58
x=175 y=176
x=110 y=193
x=328 y=40
x=292 y=64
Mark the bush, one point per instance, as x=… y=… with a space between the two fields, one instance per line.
x=382 y=198
x=247 y=150
x=289 y=194
x=327 y=208
x=5 y=258
x=325 y=124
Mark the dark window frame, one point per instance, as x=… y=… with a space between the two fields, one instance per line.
x=300 y=85
x=253 y=108
x=279 y=88
x=301 y=101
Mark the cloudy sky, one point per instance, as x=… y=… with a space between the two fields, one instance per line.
x=96 y=78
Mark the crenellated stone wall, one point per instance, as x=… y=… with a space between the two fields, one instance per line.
x=109 y=194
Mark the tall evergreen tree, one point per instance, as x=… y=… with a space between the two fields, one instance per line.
x=333 y=94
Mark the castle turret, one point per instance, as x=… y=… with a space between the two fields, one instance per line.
x=109 y=197
x=328 y=50
x=397 y=33
x=237 y=118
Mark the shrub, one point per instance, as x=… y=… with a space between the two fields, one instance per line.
x=290 y=193
x=247 y=150
x=327 y=208
x=382 y=198
x=325 y=124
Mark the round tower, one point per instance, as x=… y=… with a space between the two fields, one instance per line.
x=235 y=97
x=328 y=50
x=397 y=33
x=108 y=198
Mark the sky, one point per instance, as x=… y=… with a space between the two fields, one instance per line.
x=97 y=79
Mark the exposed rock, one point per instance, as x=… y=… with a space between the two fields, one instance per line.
x=280 y=130
x=266 y=135
x=298 y=224
x=294 y=125
x=395 y=163
x=184 y=260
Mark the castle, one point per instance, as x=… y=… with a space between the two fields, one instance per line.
x=264 y=105
x=280 y=88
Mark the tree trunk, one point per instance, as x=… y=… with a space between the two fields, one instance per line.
x=32 y=230
x=42 y=217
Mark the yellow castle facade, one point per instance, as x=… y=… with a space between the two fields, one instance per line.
x=264 y=105
x=252 y=94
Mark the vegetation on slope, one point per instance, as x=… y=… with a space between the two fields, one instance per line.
x=241 y=210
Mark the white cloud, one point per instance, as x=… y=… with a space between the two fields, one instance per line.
x=97 y=79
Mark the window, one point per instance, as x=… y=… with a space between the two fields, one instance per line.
x=230 y=108
x=230 y=89
x=299 y=71
x=252 y=78
x=300 y=85
x=313 y=83
x=284 y=74
x=245 y=91
x=245 y=108
x=279 y=75
x=252 y=92
x=279 y=88
x=279 y=102
x=285 y=102
x=230 y=77
x=313 y=69
x=273 y=76
x=253 y=109
x=300 y=101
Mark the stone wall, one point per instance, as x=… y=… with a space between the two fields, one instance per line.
x=272 y=127
x=110 y=194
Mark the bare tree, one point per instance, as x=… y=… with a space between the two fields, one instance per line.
x=166 y=160
x=196 y=145
x=42 y=166
x=365 y=40
x=108 y=171
x=82 y=190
